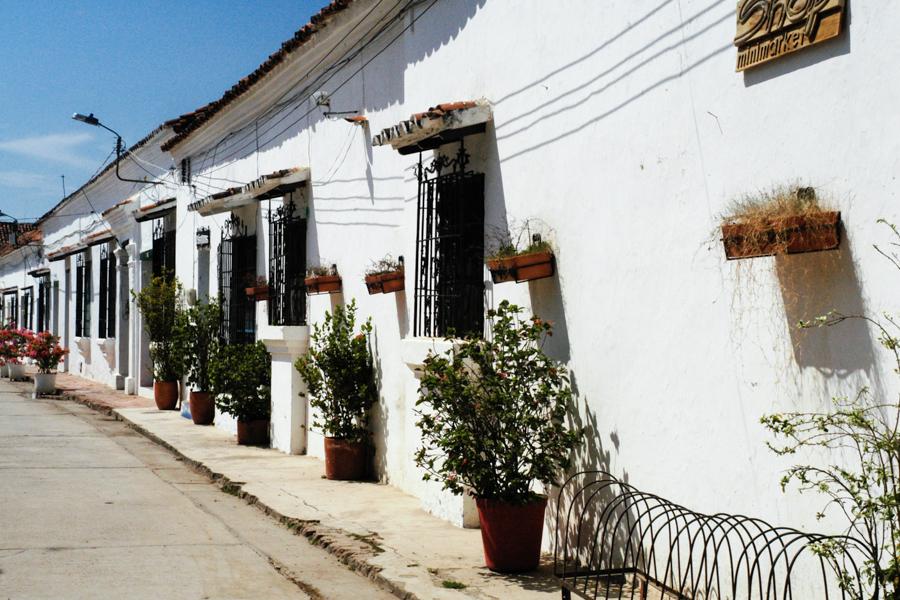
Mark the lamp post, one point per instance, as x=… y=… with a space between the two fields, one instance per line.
x=90 y=119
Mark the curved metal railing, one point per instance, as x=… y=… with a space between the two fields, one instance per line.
x=615 y=541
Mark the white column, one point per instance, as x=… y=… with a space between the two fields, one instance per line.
x=289 y=408
x=133 y=339
x=123 y=297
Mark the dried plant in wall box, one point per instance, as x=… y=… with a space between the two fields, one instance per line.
x=257 y=288
x=322 y=280
x=521 y=254
x=784 y=220
x=862 y=435
x=385 y=276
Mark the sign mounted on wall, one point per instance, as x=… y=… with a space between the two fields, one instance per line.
x=768 y=29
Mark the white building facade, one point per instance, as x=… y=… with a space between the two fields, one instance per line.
x=618 y=130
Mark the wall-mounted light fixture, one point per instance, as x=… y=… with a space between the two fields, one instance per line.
x=120 y=146
x=201 y=237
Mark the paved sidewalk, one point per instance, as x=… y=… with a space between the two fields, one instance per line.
x=376 y=529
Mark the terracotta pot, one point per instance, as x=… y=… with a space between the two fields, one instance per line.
x=385 y=283
x=203 y=408
x=323 y=284
x=253 y=433
x=258 y=293
x=511 y=534
x=345 y=460
x=794 y=235
x=524 y=267
x=44 y=383
x=165 y=393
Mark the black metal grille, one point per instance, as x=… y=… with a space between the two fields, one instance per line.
x=27 y=307
x=287 y=266
x=449 y=248
x=11 y=308
x=43 y=302
x=237 y=270
x=107 y=314
x=83 y=294
x=164 y=246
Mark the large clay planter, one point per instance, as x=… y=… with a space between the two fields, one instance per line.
x=323 y=284
x=44 y=383
x=793 y=235
x=253 y=433
x=16 y=371
x=165 y=393
x=511 y=534
x=345 y=460
x=203 y=408
x=385 y=283
x=523 y=267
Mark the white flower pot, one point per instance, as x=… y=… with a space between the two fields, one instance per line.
x=4 y=371
x=44 y=383
x=16 y=371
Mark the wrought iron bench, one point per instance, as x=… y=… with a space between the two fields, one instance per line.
x=614 y=541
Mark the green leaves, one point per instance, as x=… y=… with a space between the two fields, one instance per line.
x=240 y=379
x=197 y=333
x=492 y=412
x=339 y=375
x=159 y=303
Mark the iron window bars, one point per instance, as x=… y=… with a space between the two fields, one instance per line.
x=163 y=254
x=237 y=270
x=27 y=307
x=43 y=302
x=83 y=294
x=287 y=265
x=11 y=308
x=449 y=294
x=107 y=320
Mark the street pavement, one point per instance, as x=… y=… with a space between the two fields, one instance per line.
x=90 y=509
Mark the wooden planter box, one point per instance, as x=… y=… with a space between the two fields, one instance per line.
x=794 y=235
x=385 y=283
x=259 y=293
x=524 y=267
x=323 y=284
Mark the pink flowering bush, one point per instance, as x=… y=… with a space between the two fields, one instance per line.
x=14 y=344
x=44 y=348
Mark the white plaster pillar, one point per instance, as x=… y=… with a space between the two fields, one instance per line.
x=132 y=339
x=122 y=312
x=289 y=409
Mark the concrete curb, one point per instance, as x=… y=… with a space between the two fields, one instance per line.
x=336 y=542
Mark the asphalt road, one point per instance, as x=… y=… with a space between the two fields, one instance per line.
x=90 y=509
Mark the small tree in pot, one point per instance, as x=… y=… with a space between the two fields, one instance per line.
x=160 y=303
x=241 y=379
x=338 y=373
x=492 y=418
x=46 y=352
x=198 y=331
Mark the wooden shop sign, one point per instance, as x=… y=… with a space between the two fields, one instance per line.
x=768 y=29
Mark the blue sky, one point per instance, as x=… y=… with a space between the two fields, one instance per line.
x=133 y=64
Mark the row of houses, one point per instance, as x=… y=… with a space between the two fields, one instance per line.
x=619 y=131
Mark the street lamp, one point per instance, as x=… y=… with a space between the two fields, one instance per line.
x=92 y=120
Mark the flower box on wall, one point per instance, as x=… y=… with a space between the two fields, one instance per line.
x=385 y=283
x=792 y=235
x=323 y=284
x=522 y=267
x=260 y=293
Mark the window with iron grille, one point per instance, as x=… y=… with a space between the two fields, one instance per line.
x=11 y=308
x=163 y=254
x=237 y=271
x=449 y=295
x=287 y=265
x=107 y=315
x=43 y=302
x=27 y=307
x=83 y=294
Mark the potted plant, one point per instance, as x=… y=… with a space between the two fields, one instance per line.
x=240 y=378
x=5 y=351
x=492 y=415
x=339 y=378
x=258 y=289
x=385 y=276
x=322 y=280
x=46 y=352
x=16 y=349
x=785 y=220
x=159 y=303
x=198 y=329
x=512 y=262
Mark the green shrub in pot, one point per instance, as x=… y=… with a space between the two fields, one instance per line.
x=240 y=378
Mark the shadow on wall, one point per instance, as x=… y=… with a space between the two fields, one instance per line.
x=812 y=285
x=802 y=58
x=547 y=303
